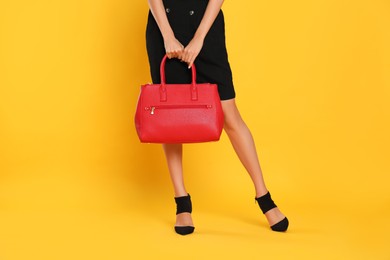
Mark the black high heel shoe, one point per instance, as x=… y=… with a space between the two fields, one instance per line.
x=183 y=204
x=266 y=203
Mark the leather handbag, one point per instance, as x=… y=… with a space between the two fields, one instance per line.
x=178 y=113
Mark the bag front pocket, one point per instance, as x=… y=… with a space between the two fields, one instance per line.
x=152 y=109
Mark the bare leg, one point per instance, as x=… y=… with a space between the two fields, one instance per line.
x=244 y=146
x=174 y=156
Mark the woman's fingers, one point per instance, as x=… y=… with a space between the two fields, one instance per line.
x=189 y=57
x=192 y=50
x=173 y=48
x=176 y=53
x=191 y=61
x=173 y=54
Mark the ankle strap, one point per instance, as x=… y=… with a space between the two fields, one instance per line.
x=183 y=204
x=265 y=202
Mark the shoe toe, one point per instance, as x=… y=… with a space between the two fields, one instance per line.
x=281 y=226
x=185 y=230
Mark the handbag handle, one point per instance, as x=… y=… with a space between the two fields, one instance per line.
x=163 y=89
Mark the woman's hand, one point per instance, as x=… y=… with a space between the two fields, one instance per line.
x=173 y=47
x=192 y=50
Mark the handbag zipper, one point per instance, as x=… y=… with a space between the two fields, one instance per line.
x=152 y=108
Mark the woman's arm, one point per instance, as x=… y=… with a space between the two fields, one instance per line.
x=173 y=47
x=192 y=50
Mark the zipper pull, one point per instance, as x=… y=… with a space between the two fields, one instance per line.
x=152 y=110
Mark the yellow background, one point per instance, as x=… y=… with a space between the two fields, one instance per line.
x=313 y=84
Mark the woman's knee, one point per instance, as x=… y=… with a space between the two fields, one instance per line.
x=232 y=117
x=172 y=148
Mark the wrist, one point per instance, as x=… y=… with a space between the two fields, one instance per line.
x=199 y=36
x=168 y=35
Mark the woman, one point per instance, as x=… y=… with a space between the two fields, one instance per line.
x=192 y=32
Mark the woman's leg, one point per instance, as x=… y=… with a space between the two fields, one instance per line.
x=174 y=156
x=243 y=144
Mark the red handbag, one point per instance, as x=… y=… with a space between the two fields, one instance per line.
x=178 y=113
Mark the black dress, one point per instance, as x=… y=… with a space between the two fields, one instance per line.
x=212 y=63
